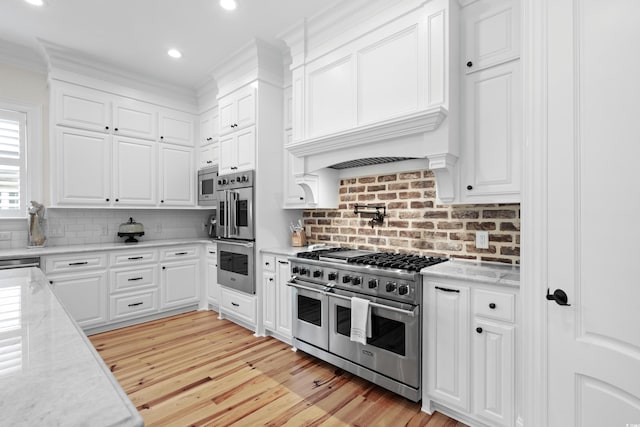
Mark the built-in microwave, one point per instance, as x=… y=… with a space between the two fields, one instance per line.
x=207 y=186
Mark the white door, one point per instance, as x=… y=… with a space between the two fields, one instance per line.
x=177 y=176
x=134 y=171
x=587 y=177
x=283 y=297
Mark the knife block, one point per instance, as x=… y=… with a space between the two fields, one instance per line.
x=298 y=238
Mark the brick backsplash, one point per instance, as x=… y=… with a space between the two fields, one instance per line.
x=414 y=222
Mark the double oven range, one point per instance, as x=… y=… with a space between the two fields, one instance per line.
x=324 y=282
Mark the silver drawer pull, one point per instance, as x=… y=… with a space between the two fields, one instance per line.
x=135 y=304
x=134 y=279
x=79 y=263
x=235 y=305
x=131 y=258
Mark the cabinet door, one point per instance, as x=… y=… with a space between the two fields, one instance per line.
x=209 y=127
x=494 y=372
x=269 y=301
x=228 y=154
x=209 y=155
x=448 y=345
x=179 y=282
x=84 y=295
x=82 y=108
x=293 y=194
x=491 y=33
x=83 y=168
x=226 y=114
x=177 y=176
x=245 y=141
x=134 y=171
x=283 y=297
x=177 y=128
x=491 y=151
x=245 y=107
x=213 y=289
x=135 y=118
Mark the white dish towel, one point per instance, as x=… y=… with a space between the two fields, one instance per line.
x=360 y=320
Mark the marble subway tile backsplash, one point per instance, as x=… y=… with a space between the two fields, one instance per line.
x=414 y=222
x=86 y=226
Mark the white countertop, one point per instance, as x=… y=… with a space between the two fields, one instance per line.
x=475 y=271
x=51 y=374
x=286 y=251
x=55 y=250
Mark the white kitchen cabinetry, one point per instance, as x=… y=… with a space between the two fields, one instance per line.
x=491 y=143
x=177 y=128
x=276 y=303
x=83 y=168
x=238 y=151
x=82 y=108
x=213 y=288
x=238 y=305
x=209 y=155
x=237 y=110
x=209 y=123
x=471 y=351
x=177 y=176
x=134 y=172
x=80 y=282
x=134 y=118
x=134 y=286
x=180 y=276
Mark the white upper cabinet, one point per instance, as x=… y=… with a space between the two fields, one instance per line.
x=491 y=33
x=209 y=155
x=83 y=108
x=177 y=127
x=134 y=172
x=177 y=176
x=135 y=118
x=238 y=151
x=83 y=172
x=237 y=110
x=209 y=127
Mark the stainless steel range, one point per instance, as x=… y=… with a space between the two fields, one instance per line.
x=324 y=283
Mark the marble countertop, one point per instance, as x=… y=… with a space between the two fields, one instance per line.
x=285 y=251
x=475 y=271
x=55 y=250
x=51 y=374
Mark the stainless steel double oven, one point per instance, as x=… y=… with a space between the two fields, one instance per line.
x=323 y=290
x=235 y=231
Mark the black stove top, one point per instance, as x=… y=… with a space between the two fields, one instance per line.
x=406 y=262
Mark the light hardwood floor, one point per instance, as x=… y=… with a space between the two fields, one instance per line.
x=196 y=370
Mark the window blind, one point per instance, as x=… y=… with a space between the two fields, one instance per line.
x=12 y=161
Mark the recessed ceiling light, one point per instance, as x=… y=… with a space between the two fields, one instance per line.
x=228 y=4
x=35 y=2
x=174 y=53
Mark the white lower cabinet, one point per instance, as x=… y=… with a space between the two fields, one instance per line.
x=180 y=279
x=470 y=351
x=133 y=304
x=276 y=297
x=238 y=305
x=213 y=289
x=80 y=282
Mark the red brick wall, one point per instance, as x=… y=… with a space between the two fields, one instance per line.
x=414 y=222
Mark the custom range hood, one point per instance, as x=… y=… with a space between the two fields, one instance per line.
x=375 y=82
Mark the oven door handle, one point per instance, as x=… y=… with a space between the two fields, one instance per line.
x=410 y=313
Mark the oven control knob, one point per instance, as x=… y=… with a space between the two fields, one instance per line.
x=391 y=286
x=304 y=271
x=403 y=290
x=373 y=283
x=295 y=269
x=219 y=182
x=317 y=273
x=346 y=279
x=225 y=182
x=356 y=281
x=333 y=275
x=244 y=178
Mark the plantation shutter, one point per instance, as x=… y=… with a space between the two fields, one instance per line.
x=12 y=163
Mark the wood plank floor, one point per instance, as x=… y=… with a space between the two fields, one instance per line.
x=196 y=370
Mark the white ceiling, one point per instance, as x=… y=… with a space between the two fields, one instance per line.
x=134 y=35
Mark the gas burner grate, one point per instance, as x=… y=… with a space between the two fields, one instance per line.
x=400 y=261
x=316 y=254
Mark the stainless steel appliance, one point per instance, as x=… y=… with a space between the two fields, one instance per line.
x=9 y=263
x=236 y=265
x=207 y=190
x=324 y=282
x=235 y=206
x=211 y=225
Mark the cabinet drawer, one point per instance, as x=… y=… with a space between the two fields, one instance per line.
x=127 y=279
x=133 y=304
x=212 y=251
x=494 y=305
x=242 y=306
x=268 y=263
x=176 y=253
x=133 y=257
x=75 y=262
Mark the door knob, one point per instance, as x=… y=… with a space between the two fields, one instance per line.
x=559 y=296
